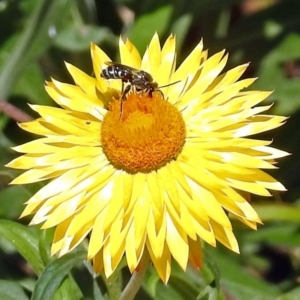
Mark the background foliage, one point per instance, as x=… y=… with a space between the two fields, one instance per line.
x=37 y=36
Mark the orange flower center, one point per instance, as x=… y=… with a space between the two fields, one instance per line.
x=148 y=134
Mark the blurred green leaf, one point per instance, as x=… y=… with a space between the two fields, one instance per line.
x=157 y=289
x=68 y=289
x=149 y=23
x=278 y=212
x=272 y=29
x=79 y=39
x=13 y=196
x=279 y=234
x=273 y=75
x=5 y=179
x=208 y=293
x=33 y=41
x=180 y=27
x=11 y=291
x=31 y=85
x=250 y=34
x=237 y=283
x=210 y=267
x=97 y=294
x=45 y=242
x=211 y=273
x=182 y=284
x=25 y=240
x=5 y=143
x=292 y=295
x=54 y=275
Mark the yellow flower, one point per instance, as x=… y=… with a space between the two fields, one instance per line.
x=160 y=176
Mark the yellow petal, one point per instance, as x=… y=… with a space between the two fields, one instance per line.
x=129 y=55
x=162 y=264
x=225 y=236
x=177 y=242
x=152 y=57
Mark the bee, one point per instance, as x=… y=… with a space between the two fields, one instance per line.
x=140 y=80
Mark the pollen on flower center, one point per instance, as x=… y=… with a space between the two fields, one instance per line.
x=149 y=134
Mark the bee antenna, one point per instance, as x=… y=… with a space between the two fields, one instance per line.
x=163 y=86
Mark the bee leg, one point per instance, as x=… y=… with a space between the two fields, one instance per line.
x=162 y=94
x=151 y=91
x=124 y=93
x=122 y=90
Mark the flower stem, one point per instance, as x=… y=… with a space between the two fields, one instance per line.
x=136 y=280
x=14 y=112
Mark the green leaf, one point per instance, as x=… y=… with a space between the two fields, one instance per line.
x=12 y=196
x=31 y=85
x=147 y=24
x=208 y=293
x=5 y=143
x=239 y=284
x=210 y=264
x=278 y=212
x=292 y=295
x=5 y=179
x=54 y=275
x=45 y=242
x=182 y=284
x=32 y=42
x=68 y=290
x=11 y=291
x=211 y=273
x=157 y=289
x=180 y=28
x=273 y=75
x=280 y=234
x=97 y=292
x=252 y=33
x=79 y=39
x=25 y=240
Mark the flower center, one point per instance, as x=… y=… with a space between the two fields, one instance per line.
x=148 y=134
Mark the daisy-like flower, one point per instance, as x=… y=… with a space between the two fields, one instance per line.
x=159 y=177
